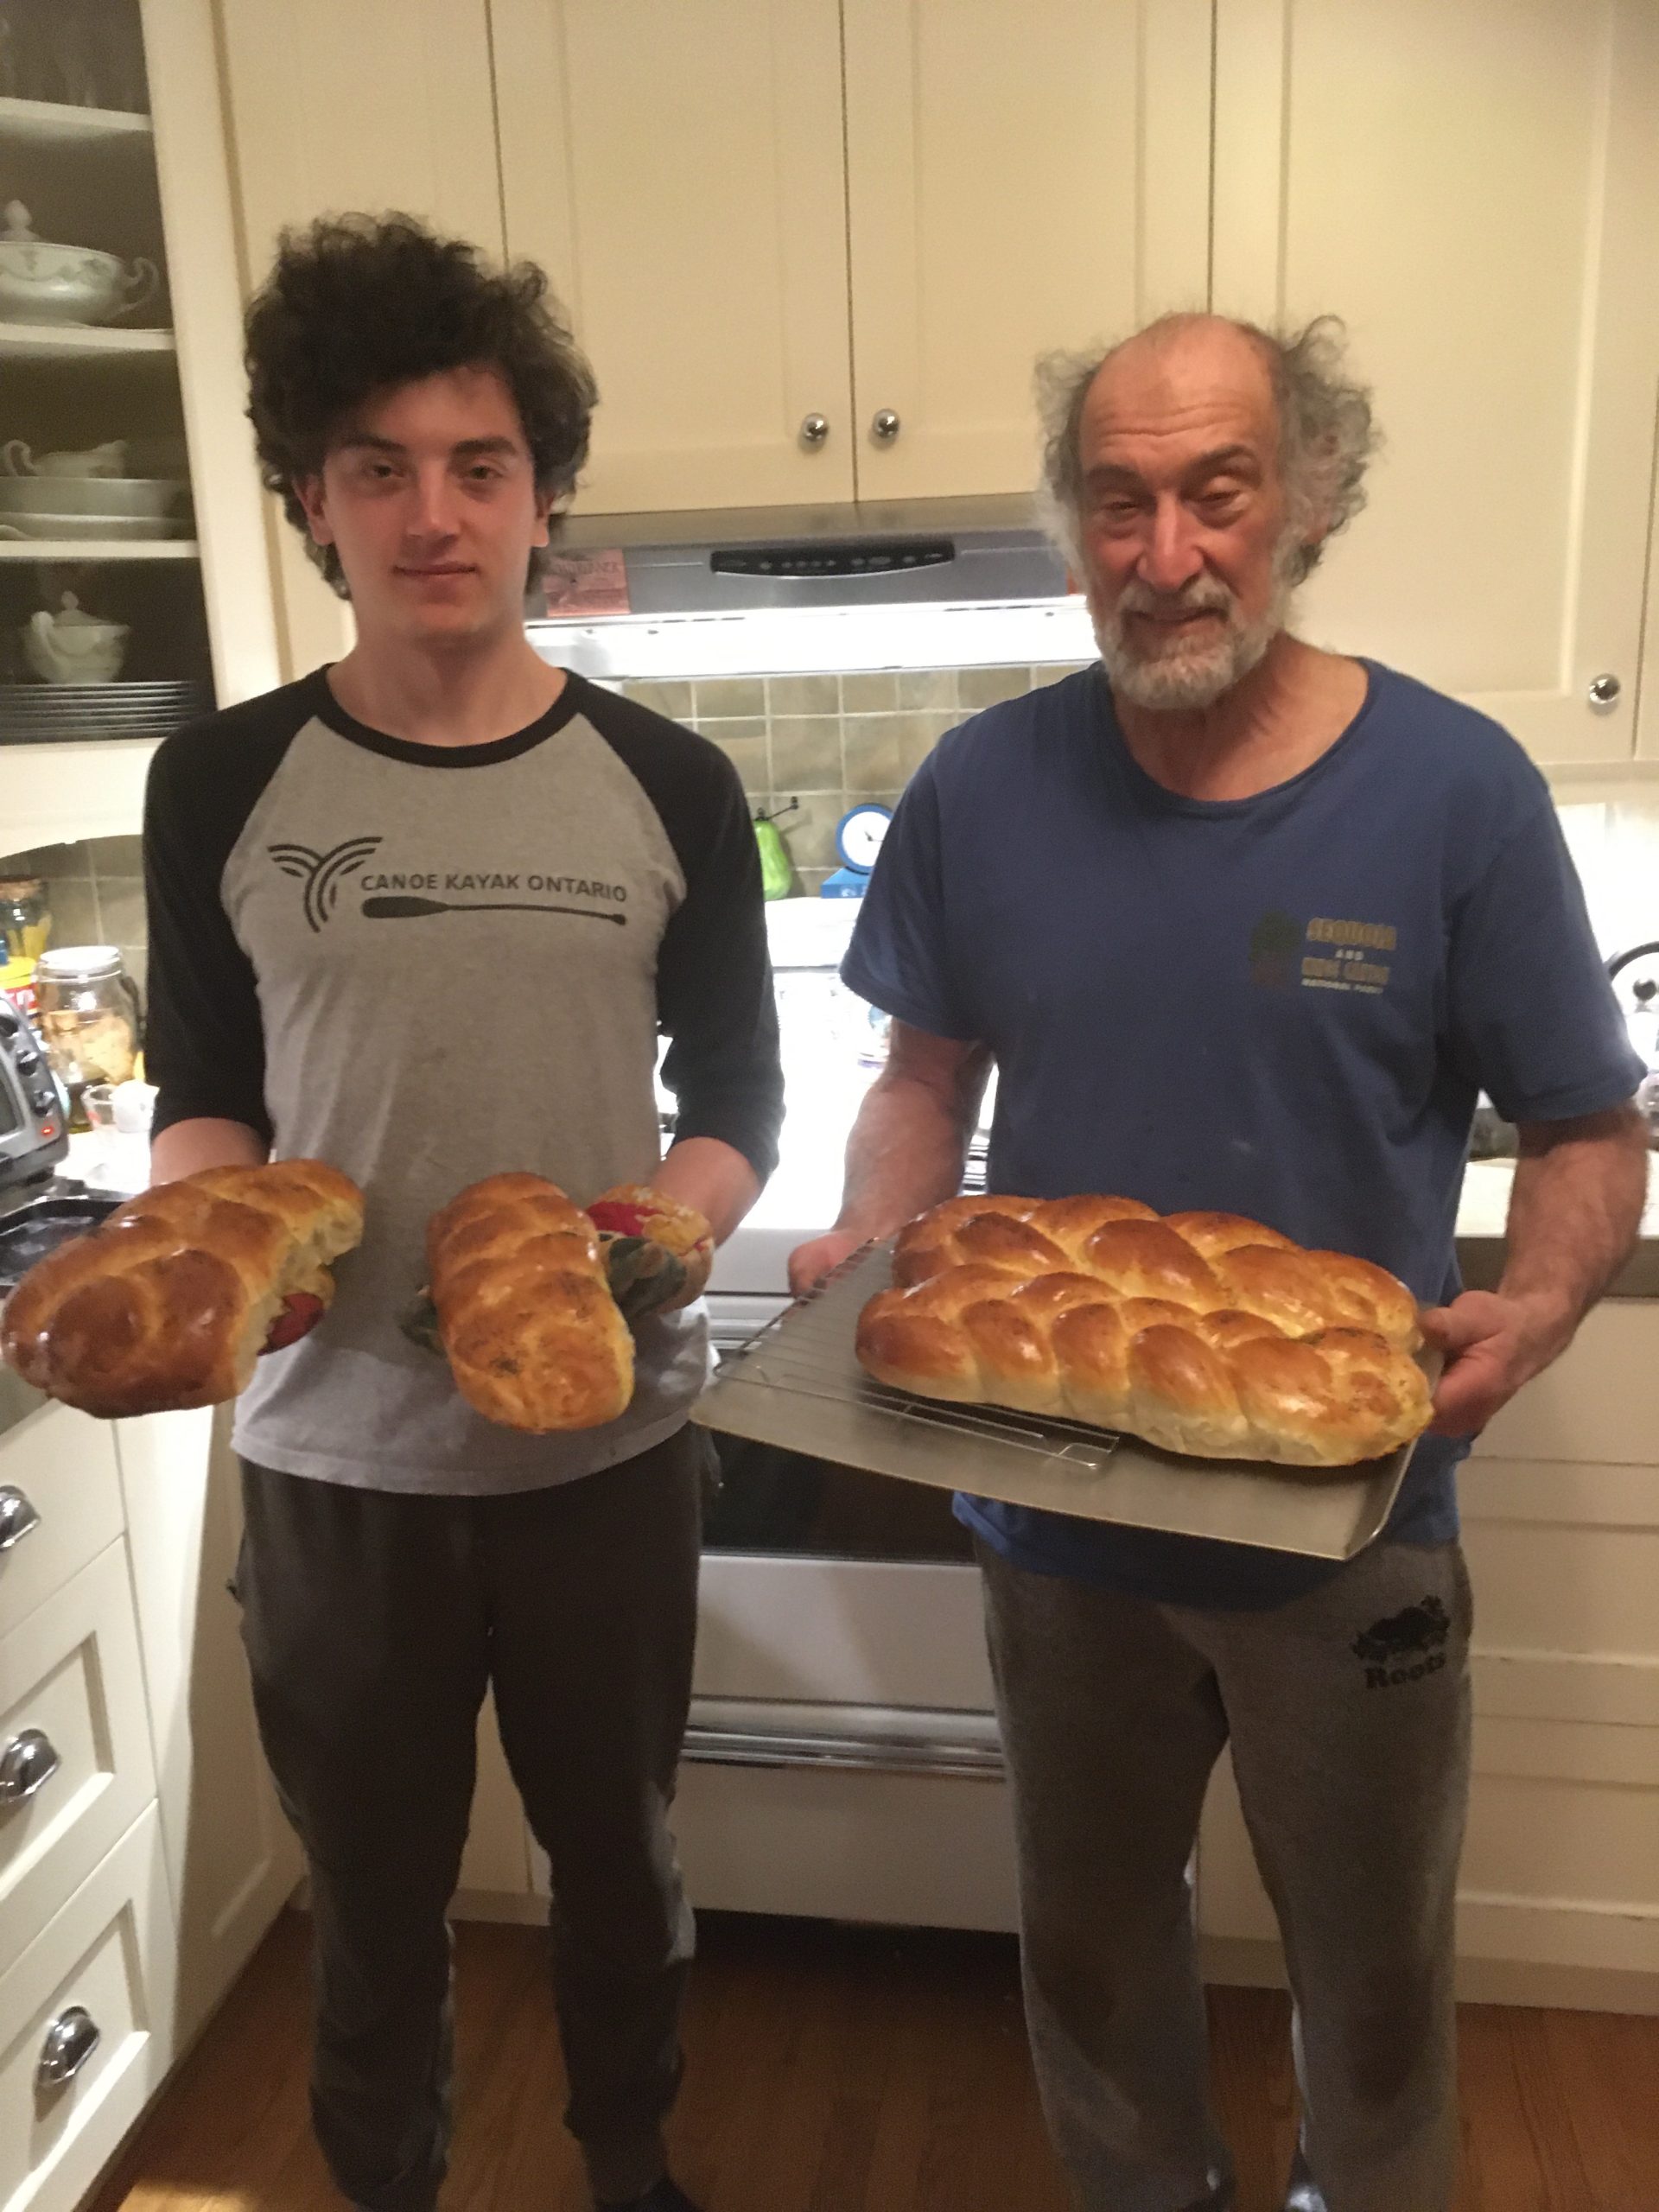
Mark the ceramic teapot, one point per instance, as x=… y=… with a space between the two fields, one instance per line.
x=71 y=647
x=111 y=460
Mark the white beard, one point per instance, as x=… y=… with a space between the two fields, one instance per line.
x=1188 y=673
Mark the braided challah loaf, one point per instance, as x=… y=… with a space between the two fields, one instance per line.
x=1202 y=1332
x=533 y=1336
x=171 y=1300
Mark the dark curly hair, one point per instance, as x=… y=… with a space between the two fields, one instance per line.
x=357 y=303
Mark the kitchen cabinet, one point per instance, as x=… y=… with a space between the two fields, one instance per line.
x=752 y=243
x=495 y=1866
x=147 y=183
x=1475 y=190
x=142 y=1855
x=1019 y=180
x=233 y=1861
x=93 y=1991
x=397 y=112
x=678 y=171
x=1558 y=1898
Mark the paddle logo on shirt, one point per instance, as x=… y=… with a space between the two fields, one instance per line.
x=411 y=895
x=322 y=874
x=1321 y=955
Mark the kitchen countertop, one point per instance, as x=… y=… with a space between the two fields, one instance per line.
x=1481 y=1215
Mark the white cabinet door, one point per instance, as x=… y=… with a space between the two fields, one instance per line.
x=496 y=1862
x=62 y=1495
x=231 y=1858
x=678 y=171
x=71 y=1699
x=338 y=105
x=1558 y=1898
x=108 y=1954
x=1475 y=190
x=361 y=104
x=1019 y=179
x=194 y=172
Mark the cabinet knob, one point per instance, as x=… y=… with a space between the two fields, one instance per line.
x=884 y=427
x=26 y=1764
x=70 y=2041
x=815 y=429
x=1605 y=690
x=17 y=1517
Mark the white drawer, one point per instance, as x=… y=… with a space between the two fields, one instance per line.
x=62 y=1464
x=109 y=1951
x=71 y=1689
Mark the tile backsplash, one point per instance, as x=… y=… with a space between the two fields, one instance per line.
x=1615 y=848
x=828 y=741
x=95 y=891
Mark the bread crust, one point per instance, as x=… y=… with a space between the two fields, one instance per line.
x=1205 y=1334
x=534 y=1338
x=167 y=1304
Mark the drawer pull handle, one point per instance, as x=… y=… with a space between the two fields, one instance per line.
x=17 y=1517
x=28 y=1763
x=70 y=2041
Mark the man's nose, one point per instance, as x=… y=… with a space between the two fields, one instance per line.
x=433 y=514
x=1170 y=558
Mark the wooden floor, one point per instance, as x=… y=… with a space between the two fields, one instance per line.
x=837 y=2069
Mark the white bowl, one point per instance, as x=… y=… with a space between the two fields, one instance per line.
x=92 y=495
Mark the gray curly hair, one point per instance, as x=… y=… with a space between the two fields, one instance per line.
x=1326 y=432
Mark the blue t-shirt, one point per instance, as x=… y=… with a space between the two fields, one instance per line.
x=1282 y=1007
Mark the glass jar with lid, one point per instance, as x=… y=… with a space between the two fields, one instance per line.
x=25 y=916
x=89 y=1018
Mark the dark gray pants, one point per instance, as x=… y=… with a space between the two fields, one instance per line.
x=1348 y=1714
x=373 y=1621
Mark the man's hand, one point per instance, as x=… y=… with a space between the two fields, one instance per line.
x=810 y=1263
x=1493 y=1344
x=906 y=1148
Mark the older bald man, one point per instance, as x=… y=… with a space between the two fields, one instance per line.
x=1139 y=893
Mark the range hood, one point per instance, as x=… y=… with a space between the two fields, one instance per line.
x=937 y=584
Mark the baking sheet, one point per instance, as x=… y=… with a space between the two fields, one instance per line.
x=36 y=1226
x=798 y=1386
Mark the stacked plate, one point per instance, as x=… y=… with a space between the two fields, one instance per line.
x=41 y=714
x=128 y=508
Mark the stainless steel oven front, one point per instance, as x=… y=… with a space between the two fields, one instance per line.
x=842 y=1757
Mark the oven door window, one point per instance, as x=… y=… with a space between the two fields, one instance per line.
x=788 y=1503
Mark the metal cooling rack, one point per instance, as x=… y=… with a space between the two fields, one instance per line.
x=797 y=1385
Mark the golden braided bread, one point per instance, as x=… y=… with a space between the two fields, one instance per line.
x=171 y=1300
x=533 y=1336
x=1202 y=1332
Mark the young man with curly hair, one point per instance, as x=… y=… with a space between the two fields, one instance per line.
x=423 y=914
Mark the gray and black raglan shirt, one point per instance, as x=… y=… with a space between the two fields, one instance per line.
x=426 y=964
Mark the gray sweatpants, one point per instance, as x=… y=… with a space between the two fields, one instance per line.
x=1348 y=1714
x=373 y=1621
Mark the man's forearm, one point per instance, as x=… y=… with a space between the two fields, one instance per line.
x=1574 y=1212
x=906 y=1151
x=205 y=1141
x=713 y=1177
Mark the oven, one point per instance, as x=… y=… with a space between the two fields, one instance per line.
x=842 y=1756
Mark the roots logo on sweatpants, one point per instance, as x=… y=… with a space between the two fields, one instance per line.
x=1405 y=1647
x=322 y=874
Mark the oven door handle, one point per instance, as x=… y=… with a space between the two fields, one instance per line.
x=936 y=1756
